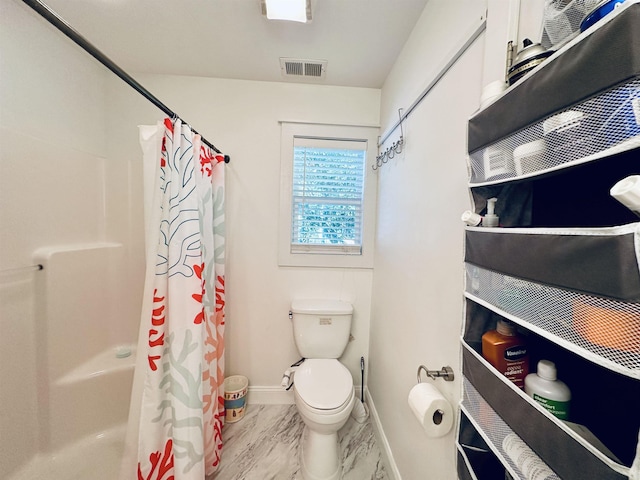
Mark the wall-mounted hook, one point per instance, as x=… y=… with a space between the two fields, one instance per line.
x=401 y=128
x=393 y=150
x=444 y=372
x=379 y=158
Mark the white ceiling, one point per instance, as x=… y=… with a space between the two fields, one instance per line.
x=360 y=39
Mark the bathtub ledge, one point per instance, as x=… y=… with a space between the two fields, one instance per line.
x=106 y=362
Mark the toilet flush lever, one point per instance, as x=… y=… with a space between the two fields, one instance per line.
x=444 y=372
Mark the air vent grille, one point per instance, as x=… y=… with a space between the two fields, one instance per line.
x=294 y=68
x=313 y=69
x=301 y=68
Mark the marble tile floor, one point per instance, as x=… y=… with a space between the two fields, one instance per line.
x=264 y=445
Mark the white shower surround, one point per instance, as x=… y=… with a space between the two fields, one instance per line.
x=65 y=396
x=84 y=382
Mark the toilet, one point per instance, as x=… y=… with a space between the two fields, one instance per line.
x=322 y=386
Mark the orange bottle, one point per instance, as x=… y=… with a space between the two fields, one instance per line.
x=507 y=352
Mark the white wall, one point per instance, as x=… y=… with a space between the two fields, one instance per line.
x=418 y=279
x=241 y=118
x=530 y=24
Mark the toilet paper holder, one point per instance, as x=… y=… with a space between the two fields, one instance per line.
x=444 y=372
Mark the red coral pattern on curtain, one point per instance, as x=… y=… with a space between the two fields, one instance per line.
x=182 y=414
x=163 y=462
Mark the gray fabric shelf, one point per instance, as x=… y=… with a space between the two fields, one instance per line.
x=597 y=262
x=599 y=59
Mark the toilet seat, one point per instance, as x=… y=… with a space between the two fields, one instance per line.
x=323 y=384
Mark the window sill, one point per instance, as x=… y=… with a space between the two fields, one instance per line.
x=324 y=260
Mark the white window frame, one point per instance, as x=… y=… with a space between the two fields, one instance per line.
x=318 y=256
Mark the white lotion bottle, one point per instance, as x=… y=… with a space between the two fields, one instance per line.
x=545 y=388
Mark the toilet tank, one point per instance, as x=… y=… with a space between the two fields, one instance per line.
x=321 y=328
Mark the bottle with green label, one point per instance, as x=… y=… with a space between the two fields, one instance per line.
x=545 y=388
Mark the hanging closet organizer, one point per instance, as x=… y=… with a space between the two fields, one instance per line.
x=564 y=263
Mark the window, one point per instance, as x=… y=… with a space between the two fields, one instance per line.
x=327 y=195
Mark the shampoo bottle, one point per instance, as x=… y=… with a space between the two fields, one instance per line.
x=507 y=351
x=545 y=388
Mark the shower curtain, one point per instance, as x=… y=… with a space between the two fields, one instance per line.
x=177 y=405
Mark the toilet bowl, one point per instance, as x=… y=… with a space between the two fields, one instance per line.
x=324 y=396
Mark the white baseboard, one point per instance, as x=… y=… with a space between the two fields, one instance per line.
x=269 y=395
x=385 y=449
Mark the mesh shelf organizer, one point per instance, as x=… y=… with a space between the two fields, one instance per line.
x=601 y=330
x=602 y=262
x=557 y=443
x=562 y=18
x=464 y=465
x=579 y=106
x=601 y=126
x=600 y=60
x=475 y=459
x=468 y=467
x=497 y=433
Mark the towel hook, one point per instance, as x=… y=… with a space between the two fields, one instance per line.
x=444 y=372
x=393 y=150
x=379 y=158
x=401 y=141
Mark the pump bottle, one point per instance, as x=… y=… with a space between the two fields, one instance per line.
x=491 y=219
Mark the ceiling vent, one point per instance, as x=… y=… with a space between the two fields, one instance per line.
x=301 y=68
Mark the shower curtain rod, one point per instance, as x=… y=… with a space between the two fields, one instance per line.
x=58 y=22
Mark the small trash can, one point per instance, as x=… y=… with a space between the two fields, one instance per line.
x=235 y=396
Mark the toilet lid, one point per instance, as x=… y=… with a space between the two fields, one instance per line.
x=324 y=384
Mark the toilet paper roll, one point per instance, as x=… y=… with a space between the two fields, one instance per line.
x=432 y=410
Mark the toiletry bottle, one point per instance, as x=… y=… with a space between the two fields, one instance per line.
x=545 y=388
x=507 y=351
x=491 y=219
x=471 y=218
